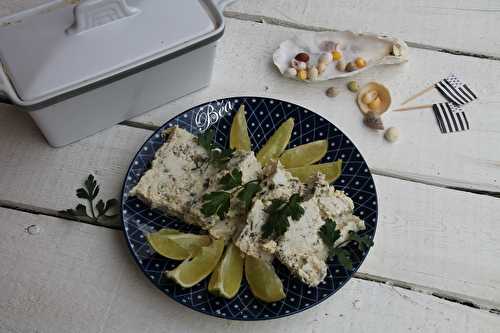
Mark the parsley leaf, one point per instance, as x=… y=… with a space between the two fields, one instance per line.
x=231 y=180
x=206 y=139
x=100 y=207
x=294 y=209
x=342 y=256
x=216 y=203
x=90 y=189
x=329 y=236
x=219 y=202
x=364 y=242
x=217 y=156
x=275 y=226
x=277 y=222
x=99 y=211
x=247 y=193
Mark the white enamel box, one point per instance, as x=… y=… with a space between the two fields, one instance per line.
x=78 y=67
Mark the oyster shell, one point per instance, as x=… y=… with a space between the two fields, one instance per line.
x=375 y=49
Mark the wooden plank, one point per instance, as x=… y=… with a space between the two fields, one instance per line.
x=434 y=237
x=11 y=7
x=424 y=22
x=35 y=174
x=427 y=235
x=77 y=277
x=467 y=159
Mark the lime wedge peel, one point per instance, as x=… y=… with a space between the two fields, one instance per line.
x=192 y=270
x=305 y=154
x=263 y=280
x=226 y=279
x=173 y=244
x=238 y=137
x=277 y=143
x=331 y=171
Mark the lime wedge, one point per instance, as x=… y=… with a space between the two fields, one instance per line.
x=263 y=280
x=276 y=144
x=226 y=279
x=175 y=245
x=331 y=171
x=168 y=231
x=238 y=137
x=304 y=154
x=194 y=269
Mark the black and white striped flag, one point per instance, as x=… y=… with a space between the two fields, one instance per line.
x=450 y=118
x=455 y=90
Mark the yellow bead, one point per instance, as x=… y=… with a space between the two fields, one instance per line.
x=360 y=62
x=336 y=55
x=302 y=74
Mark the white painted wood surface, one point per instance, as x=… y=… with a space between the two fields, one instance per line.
x=73 y=277
x=42 y=177
x=454 y=24
x=427 y=22
x=421 y=228
x=468 y=159
x=10 y=7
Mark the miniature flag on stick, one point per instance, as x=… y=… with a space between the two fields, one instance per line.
x=450 y=118
x=455 y=90
x=451 y=88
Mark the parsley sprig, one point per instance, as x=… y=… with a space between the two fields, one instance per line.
x=98 y=212
x=219 y=202
x=217 y=156
x=279 y=211
x=330 y=235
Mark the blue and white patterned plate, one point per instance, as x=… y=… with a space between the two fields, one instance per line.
x=264 y=115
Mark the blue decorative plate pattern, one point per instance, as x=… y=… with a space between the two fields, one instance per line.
x=264 y=115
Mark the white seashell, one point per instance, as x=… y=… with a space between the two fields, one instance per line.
x=312 y=74
x=322 y=67
x=328 y=46
x=325 y=57
x=298 y=65
x=375 y=49
x=369 y=97
x=341 y=65
x=400 y=50
x=291 y=72
x=392 y=134
x=332 y=92
x=373 y=121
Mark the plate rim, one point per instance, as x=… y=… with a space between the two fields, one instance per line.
x=213 y=314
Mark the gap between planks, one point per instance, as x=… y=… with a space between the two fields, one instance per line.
x=36 y=210
x=433 y=181
x=442 y=294
x=300 y=26
x=461 y=299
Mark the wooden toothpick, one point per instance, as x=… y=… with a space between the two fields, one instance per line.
x=426 y=106
x=418 y=94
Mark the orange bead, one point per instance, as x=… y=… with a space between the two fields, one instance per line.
x=336 y=55
x=360 y=62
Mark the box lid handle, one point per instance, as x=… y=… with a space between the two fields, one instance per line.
x=90 y=14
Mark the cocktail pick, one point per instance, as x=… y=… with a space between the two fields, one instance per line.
x=454 y=90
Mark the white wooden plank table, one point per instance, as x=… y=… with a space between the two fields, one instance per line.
x=435 y=266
